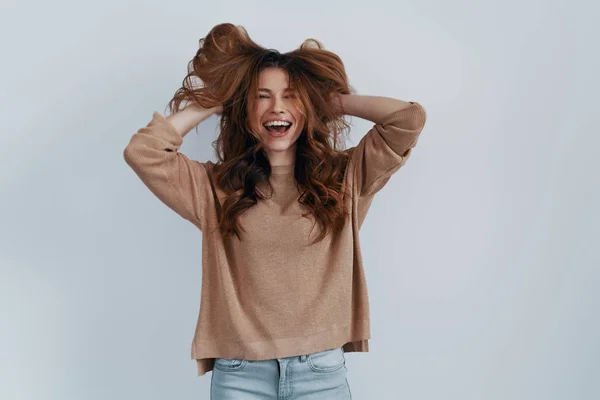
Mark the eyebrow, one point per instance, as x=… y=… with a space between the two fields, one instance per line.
x=269 y=90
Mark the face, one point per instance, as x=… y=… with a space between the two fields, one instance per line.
x=275 y=102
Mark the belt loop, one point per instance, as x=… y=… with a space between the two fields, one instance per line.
x=302 y=358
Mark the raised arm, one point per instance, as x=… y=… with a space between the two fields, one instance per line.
x=387 y=146
x=180 y=183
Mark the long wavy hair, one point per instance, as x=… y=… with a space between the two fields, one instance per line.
x=225 y=72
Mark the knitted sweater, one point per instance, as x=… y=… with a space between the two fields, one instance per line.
x=272 y=294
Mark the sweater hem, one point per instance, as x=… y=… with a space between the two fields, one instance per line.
x=205 y=351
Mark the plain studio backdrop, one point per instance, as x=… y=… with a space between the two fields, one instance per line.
x=481 y=253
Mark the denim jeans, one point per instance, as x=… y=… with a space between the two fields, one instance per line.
x=320 y=375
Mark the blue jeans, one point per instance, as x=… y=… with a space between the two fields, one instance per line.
x=320 y=375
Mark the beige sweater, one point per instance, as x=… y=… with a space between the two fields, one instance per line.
x=272 y=295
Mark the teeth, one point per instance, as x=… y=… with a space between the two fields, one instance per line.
x=277 y=123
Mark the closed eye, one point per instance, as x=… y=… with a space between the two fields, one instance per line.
x=266 y=97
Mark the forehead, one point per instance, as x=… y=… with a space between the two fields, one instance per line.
x=273 y=78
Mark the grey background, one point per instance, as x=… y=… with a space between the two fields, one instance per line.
x=481 y=254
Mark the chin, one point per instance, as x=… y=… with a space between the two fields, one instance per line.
x=279 y=143
x=278 y=147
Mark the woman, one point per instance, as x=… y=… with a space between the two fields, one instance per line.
x=284 y=294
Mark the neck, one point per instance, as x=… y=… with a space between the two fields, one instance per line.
x=282 y=158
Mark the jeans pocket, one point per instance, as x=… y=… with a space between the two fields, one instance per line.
x=327 y=360
x=230 y=364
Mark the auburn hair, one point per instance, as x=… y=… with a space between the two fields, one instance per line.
x=227 y=65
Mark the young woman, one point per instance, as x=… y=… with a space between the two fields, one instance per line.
x=284 y=294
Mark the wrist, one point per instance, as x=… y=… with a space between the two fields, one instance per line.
x=338 y=101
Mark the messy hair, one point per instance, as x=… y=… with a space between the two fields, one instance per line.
x=227 y=65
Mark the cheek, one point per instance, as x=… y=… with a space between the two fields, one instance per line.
x=256 y=124
x=256 y=116
x=299 y=125
x=298 y=132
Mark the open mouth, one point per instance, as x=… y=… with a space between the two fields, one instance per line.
x=278 y=129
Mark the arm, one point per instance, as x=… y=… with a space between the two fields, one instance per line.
x=371 y=108
x=388 y=145
x=184 y=120
x=180 y=183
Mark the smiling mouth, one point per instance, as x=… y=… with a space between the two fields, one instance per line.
x=278 y=130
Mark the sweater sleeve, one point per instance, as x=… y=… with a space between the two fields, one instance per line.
x=180 y=183
x=385 y=148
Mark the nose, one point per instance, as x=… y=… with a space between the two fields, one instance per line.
x=278 y=106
